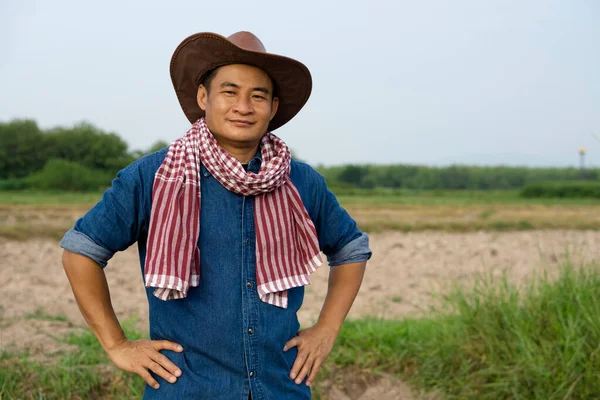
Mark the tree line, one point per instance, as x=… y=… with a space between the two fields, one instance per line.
x=455 y=177
x=25 y=148
x=84 y=157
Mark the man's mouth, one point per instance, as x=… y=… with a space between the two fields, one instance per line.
x=241 y=122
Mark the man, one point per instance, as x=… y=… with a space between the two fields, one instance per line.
x=229 y=229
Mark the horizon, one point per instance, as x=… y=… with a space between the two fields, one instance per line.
x=299 y=157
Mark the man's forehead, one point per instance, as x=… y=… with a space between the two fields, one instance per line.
x=240 y=74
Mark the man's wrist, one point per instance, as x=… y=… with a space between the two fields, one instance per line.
x=109 y=337
x=329 y=325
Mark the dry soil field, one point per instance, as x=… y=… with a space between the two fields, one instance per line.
x=405 y=270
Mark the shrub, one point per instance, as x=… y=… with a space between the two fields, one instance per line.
x=13 y=184
x=562 y=190
x=60 y=174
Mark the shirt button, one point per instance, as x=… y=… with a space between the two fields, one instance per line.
x=247 y=240
x=250 y=331
x=248 y=285
x=251 y=374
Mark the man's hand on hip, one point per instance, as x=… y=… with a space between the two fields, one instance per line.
x=314 y=345
x=142 y=356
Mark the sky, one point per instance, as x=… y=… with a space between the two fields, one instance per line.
x=493 y=82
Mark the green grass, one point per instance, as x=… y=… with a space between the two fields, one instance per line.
x=25 y=379
x=48 y=198
x=495 y=341
x=38 y=314
x=362 y=197
x=492 y=211
x=486 y=214
x=41 y=314
x=85 y=373
x=27 y=231
x=397 y=299
x=455 y=197
x=470 y=226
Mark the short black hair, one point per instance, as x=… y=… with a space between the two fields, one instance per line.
x=208 y=77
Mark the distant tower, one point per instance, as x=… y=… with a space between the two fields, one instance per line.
x=582 y=162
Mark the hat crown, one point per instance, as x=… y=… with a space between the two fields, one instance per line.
x=247 y=41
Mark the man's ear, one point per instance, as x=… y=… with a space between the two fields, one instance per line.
x=202 y=97
x=274 y=107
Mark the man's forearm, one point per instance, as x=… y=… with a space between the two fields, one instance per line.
x=344 y=283
x=93 y=298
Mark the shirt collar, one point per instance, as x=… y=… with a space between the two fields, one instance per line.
x=255 y=163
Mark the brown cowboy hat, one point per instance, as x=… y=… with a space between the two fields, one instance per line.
x=202 y=52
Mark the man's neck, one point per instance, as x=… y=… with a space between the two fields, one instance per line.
x=243 y=154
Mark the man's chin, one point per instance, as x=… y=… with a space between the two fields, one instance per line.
x=243 y=135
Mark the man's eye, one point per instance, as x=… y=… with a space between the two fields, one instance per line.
x=259 y=97
x=229 y=92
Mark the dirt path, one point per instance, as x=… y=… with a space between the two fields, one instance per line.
x=405 y=269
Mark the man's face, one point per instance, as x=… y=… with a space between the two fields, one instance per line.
x=239 y=104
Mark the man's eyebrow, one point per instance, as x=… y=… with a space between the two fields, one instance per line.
x=229 y=84
x=262 y=89
x=236 y=86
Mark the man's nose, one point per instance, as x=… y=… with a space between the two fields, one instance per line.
x=243 y=105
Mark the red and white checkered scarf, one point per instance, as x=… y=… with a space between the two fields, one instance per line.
x=287 y=247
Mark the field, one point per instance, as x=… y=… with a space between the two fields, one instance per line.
x=29 y=214
x=469 y=295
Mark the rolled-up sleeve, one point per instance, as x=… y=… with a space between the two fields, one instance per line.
x=355 y=251
x=80 y=243
x=118 y=219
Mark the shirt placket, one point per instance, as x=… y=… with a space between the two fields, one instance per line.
x=250 y=296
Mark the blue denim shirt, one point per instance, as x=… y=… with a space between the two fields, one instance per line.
x=233 y=342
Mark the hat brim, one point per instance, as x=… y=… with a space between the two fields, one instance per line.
x=205 y=51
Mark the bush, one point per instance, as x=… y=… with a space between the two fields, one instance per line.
x=562 y=190
x=13 y=184
x=60 y=174
x=23 y=149
x=89 y=146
